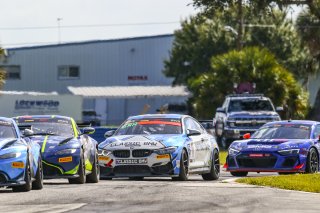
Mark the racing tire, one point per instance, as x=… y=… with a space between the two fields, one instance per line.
x=215 y=168
x=81 y=171
x=239 y=174
x=312 y=161
x=136 y=178
x=38 y=183
x=95 y=173
x=27 y=178
x=184 y=167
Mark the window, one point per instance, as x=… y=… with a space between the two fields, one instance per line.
x=13 y=72
x=68 y=72
x=317 y=132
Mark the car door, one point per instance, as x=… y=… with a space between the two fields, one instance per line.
x=196 y=158
x=205 y=145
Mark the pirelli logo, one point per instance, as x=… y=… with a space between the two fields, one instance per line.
x=166 y=156
x=18 y=165
x=65 y=159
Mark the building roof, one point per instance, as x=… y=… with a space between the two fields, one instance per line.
x=27 y=93
x=88 y=42
x=129 y=91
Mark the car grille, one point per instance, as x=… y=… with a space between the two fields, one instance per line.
x=163 y=169
x=131 y=169
x=121 y=153
x=253 y=162
x=50 y=171
x=289 y=162
x=141 y=153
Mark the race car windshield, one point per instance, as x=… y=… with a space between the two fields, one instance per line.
x=7 y=130
x=250 y=105
x=286 y=131
x=44 y=128
x=150 y=127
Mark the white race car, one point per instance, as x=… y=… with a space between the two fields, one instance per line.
x=161 y=145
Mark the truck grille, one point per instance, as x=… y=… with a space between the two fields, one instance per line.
x=141 y=153
x=121 y=153
x=251 y=122
x=253 y=162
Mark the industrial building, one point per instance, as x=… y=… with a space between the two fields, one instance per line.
x=116 y=78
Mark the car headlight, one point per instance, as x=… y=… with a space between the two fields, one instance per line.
x=233 y=151
x=66 y=152
x=10 y=155
x=104 y=152
x=289 y=151
x=167 y=150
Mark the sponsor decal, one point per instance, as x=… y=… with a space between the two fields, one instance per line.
x=17 y=165
x=166 y=156
x=256 y=155
x=65 y=159
x=104 y=158
x=131 y=161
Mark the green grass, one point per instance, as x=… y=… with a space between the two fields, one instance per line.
x=300 y=182
x=223 y=155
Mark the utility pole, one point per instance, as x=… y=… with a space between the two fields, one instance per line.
x=59 y=33
x=240 y=25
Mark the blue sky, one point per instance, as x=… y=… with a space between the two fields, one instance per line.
x=20 y=15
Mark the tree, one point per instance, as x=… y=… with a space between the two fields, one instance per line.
x=201 y=38
x=252 y=64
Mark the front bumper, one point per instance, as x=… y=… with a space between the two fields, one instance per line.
x=12 y=170
x=60 y=166
x=153 y=165
x=265 y=161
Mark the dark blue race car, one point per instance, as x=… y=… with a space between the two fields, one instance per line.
x=20 y=159
x=66 y=152
x=283 y=146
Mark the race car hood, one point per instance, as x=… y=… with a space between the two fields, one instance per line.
x=269 y=144
x=54 y=143
x=141 y=142
x=7 y=142
x=253 y=114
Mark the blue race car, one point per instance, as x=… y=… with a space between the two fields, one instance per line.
x=161 y=145
x=283 y=147
x=20 y=159
x=66 y=152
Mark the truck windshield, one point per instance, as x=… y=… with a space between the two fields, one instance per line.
x=150 y=127
x=283 y=131
x=250 y=105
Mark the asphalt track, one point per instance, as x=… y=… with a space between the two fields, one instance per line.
x=158 y=195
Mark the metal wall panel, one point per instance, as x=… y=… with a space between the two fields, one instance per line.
x=102 y=63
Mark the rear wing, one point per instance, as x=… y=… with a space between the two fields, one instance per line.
x=24 y=126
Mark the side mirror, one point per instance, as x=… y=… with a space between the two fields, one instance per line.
x=109 y=133
x=319 y=138
x=192 y=132
x=220 y=109
x=88 y=130
x=246 y=136
x=27 y=132
x=279 y=109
